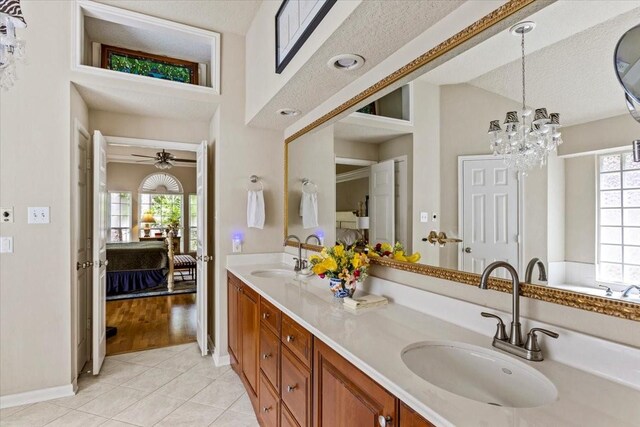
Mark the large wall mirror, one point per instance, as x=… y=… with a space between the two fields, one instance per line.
x=415 y=163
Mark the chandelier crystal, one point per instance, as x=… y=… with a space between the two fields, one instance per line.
x=527 y=139
x=12 y=49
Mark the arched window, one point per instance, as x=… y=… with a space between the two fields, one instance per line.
x=161 y=196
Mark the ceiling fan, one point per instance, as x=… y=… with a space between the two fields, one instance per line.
x=162 y=159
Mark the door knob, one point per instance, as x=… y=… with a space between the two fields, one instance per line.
x=290 y=338
x=266 y=356
x=291 y=388
x=467 y=250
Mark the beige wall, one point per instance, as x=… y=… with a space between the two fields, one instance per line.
x=35 y=168
x=134 y=126
x=355 y=150
x=580 y=205
x=349 y=193
x=312 y=157
x=240 y=152
x=612 y=132
x=128 y=177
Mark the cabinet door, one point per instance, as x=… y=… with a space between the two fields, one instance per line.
x=344 y=396
x=233 y=293
x=250 y=330
x=410 y=418
x=296 y=390
x=269 y=404
x=270 y=356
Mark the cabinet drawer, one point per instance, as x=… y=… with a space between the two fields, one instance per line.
x=296 y=388
x=286 y=419
x=269 y=404
x=270 y=316
x=270 y=356
x=297 y=339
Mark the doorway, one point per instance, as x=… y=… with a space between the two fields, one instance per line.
x=489 y=212
x=173 y=313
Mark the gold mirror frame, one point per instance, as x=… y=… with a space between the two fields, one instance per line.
x=519 y=8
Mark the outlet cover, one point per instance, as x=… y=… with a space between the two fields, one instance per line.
x=6 y=245
x=38 y=215
x=424 y=216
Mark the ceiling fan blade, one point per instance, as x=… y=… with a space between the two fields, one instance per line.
x=145 y=161
x=141 y=155
x=184 y=160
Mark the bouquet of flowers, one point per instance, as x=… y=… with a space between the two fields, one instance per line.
x=395 y=252
x=343 y=267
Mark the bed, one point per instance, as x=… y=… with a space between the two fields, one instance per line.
x=137 y=266
x=346 y=227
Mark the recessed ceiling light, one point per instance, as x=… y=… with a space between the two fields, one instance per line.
x=288 y=112
x=347 y=61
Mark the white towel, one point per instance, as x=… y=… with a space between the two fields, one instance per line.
x=255 y=209
x=309 y=210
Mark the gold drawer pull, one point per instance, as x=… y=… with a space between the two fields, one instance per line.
x=291 y=388
x=290 y=338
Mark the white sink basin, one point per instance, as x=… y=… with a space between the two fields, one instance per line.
x=274 y=273
x=479 y=374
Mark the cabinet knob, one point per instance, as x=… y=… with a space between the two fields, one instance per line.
x=291 y=388
x=266 y=356
x=384 y=421
x=290 y=338
x=266 y=409
x=265 y=315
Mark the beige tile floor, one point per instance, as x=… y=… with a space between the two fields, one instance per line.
x=171 y=386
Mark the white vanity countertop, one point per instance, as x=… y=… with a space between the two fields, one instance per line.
x=373 y=341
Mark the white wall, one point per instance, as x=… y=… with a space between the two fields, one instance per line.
x=240 y=152
x=262 y=82
x=613 y=132
x=35 y=123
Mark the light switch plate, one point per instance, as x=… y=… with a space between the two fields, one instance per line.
x=424 y=216
x=6 y=245
x=38 y=215
x=6 y=214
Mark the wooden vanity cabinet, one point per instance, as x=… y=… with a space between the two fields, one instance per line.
x=410 y=418
x=344 y=396
x=295 y=380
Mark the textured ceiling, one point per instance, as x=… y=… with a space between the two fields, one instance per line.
x=145 y=104
x=224 y=16
x=173 y=45
x=574 y=77
x=375 y=30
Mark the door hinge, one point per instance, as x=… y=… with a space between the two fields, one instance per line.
x=89 y=164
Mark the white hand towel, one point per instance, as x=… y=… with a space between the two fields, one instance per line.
x=255 y=209
x=309 y=210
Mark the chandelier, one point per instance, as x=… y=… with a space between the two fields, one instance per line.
x=11 y=47
x=527 y=139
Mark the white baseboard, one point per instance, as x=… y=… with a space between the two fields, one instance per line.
x=35 y=396
x=221 y=359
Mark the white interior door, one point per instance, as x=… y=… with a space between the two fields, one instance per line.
x=83 y=247
x=99 y=250
x=202 y=256
x=382 y=202
x=489 y=214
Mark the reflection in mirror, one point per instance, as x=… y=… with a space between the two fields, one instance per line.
x=427 y=177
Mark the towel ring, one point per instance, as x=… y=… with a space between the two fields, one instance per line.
x=309 y=186
x=255 y=180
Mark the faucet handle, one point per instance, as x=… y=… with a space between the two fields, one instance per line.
x=532 y=339
x=608 y=292
x=501 y=332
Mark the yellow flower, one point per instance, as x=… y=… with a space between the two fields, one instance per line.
x=318 y=269
x=386 y=247
x=339 y=250
x=399 y=256
x=356 y=261
x=315 y=258
x=414 y=258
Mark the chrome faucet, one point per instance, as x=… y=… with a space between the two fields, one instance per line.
x=627 y=291
x=512 y=343
x=298 y=267
x=542 y=272
x=312 y=236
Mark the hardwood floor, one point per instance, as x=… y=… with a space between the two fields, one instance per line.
x=145 y=323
